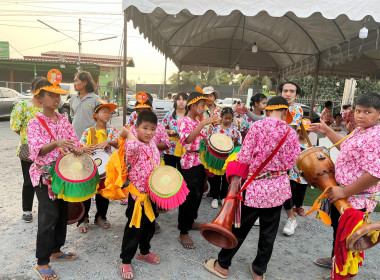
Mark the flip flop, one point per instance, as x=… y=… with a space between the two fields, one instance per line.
x=39 y=272
x=126 y=269
x=149 y=258
x=253 y=273
x=63 y=257
x=103 y=224
x=210 y=266
x=183 y=243
x=326 y=263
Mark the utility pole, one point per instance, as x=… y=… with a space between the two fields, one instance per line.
x=79 y=46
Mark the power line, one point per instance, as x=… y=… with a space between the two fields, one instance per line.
x=15 y=49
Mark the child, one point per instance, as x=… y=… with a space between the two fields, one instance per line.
x=191 y=134
x=258 y=104
x=326 y=115
x=133 y=116
x=139 y=231
x=338 y=124
x=297 y=183
x=356 y=167
x=265 y=195
x=44 y=151
x=105 y=136
x=230 y=130
x=173 y=155
x=290 y=91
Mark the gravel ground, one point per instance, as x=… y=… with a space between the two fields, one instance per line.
x=99 y=249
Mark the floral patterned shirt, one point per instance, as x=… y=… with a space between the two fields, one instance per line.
x=293 y=175
x=112 y=135
x=159 y=137
x=21 y=114
x=350 y=120
x=358 y=154
x=171 y=123
x=327 y=116
x=141 y=167
x=217 y=112
x=38 y=137
x=231 y=132
x=186 y=126
x=246 y=123
x=261 y=140
x=297 y=114
x=131 y=120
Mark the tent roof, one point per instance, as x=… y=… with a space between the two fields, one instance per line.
x=290 y=35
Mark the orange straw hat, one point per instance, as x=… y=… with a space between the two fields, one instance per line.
x=142 y=101
x=112 y=107
x=277 y=103
x=54 y=76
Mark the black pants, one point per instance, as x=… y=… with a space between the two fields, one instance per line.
x=173 y=161
x=269 y=222
x=52 y=225
x=335 y=216
x=298 y=195
x=218 y=186
x=188 y=211
x=101 y=208
x=136 y=237
x=27 y=187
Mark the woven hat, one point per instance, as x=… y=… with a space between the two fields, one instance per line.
x=195 y=97
x=142 y=101
x=54 y=76
x=112 y=107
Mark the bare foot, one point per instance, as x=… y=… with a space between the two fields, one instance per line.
x=82 y=227
x=46 y=276
x=126 y=271
x=196 y=226
x=102 y=223
x=220 y=269
x=186 y=241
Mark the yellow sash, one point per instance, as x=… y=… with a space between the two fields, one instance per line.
x=137 y=211
x=100 y=136
x=179 y=151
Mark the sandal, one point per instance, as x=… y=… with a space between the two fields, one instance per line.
x=150 y=258
x=49 y=271
x=126 y=269
x=210 y=266
x=103 y=224
x=187 y=245
x=70 y=256
x=322 y=262
x=253 y=273
x=82 y=227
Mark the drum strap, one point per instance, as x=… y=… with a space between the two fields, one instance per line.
x=94 y=140
x=44 y=124
x=261 y=167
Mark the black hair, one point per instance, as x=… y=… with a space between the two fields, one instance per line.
x=150 y=97
x=184 y=96
x=147 y=116
x=238 y=102
x=257 y=99
x=278 y=100
x=34 y=81
x=85 y=76
x=227 y=110
x=336 y=115
x=328 y=104
x=43 y=82
x=369 y=99
x=148 y=102
x=345 y=107
x=281 y=86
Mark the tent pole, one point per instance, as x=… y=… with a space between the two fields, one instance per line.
x=166 y=62
x=315 y=85
x=125 y=70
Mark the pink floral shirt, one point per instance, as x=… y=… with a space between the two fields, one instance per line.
x=327 y=116
x=350 y=120
x=358 y=154
x=261 y=140
x=131 y=120
x=159 y=137
x=141 y=166
x=186 y=126
x=38 y=137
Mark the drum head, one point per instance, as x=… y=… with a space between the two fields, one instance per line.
x=165 y=181
x=221 y=142
x=75 y=168
x=101 y=158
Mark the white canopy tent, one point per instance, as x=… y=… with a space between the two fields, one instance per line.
x=292 y=37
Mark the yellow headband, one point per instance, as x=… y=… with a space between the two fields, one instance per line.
x=276 y=107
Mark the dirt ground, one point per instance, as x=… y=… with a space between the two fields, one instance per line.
x=99 y=249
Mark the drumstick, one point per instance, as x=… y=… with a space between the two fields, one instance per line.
x=305 y=134
x=155 y=166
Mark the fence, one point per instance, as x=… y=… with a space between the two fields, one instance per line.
x=17 y=86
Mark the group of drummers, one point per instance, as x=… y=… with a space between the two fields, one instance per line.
x=249 y=165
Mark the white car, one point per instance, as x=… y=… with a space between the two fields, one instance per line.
x=228 y=102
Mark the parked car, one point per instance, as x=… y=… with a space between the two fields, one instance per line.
x=64 y=106
x=228 y=102
x=8 y=99
x=306 y=113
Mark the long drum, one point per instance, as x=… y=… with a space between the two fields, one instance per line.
x=316 y=166
x=74 y=178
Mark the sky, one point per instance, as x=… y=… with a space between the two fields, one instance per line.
x=100 y=19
